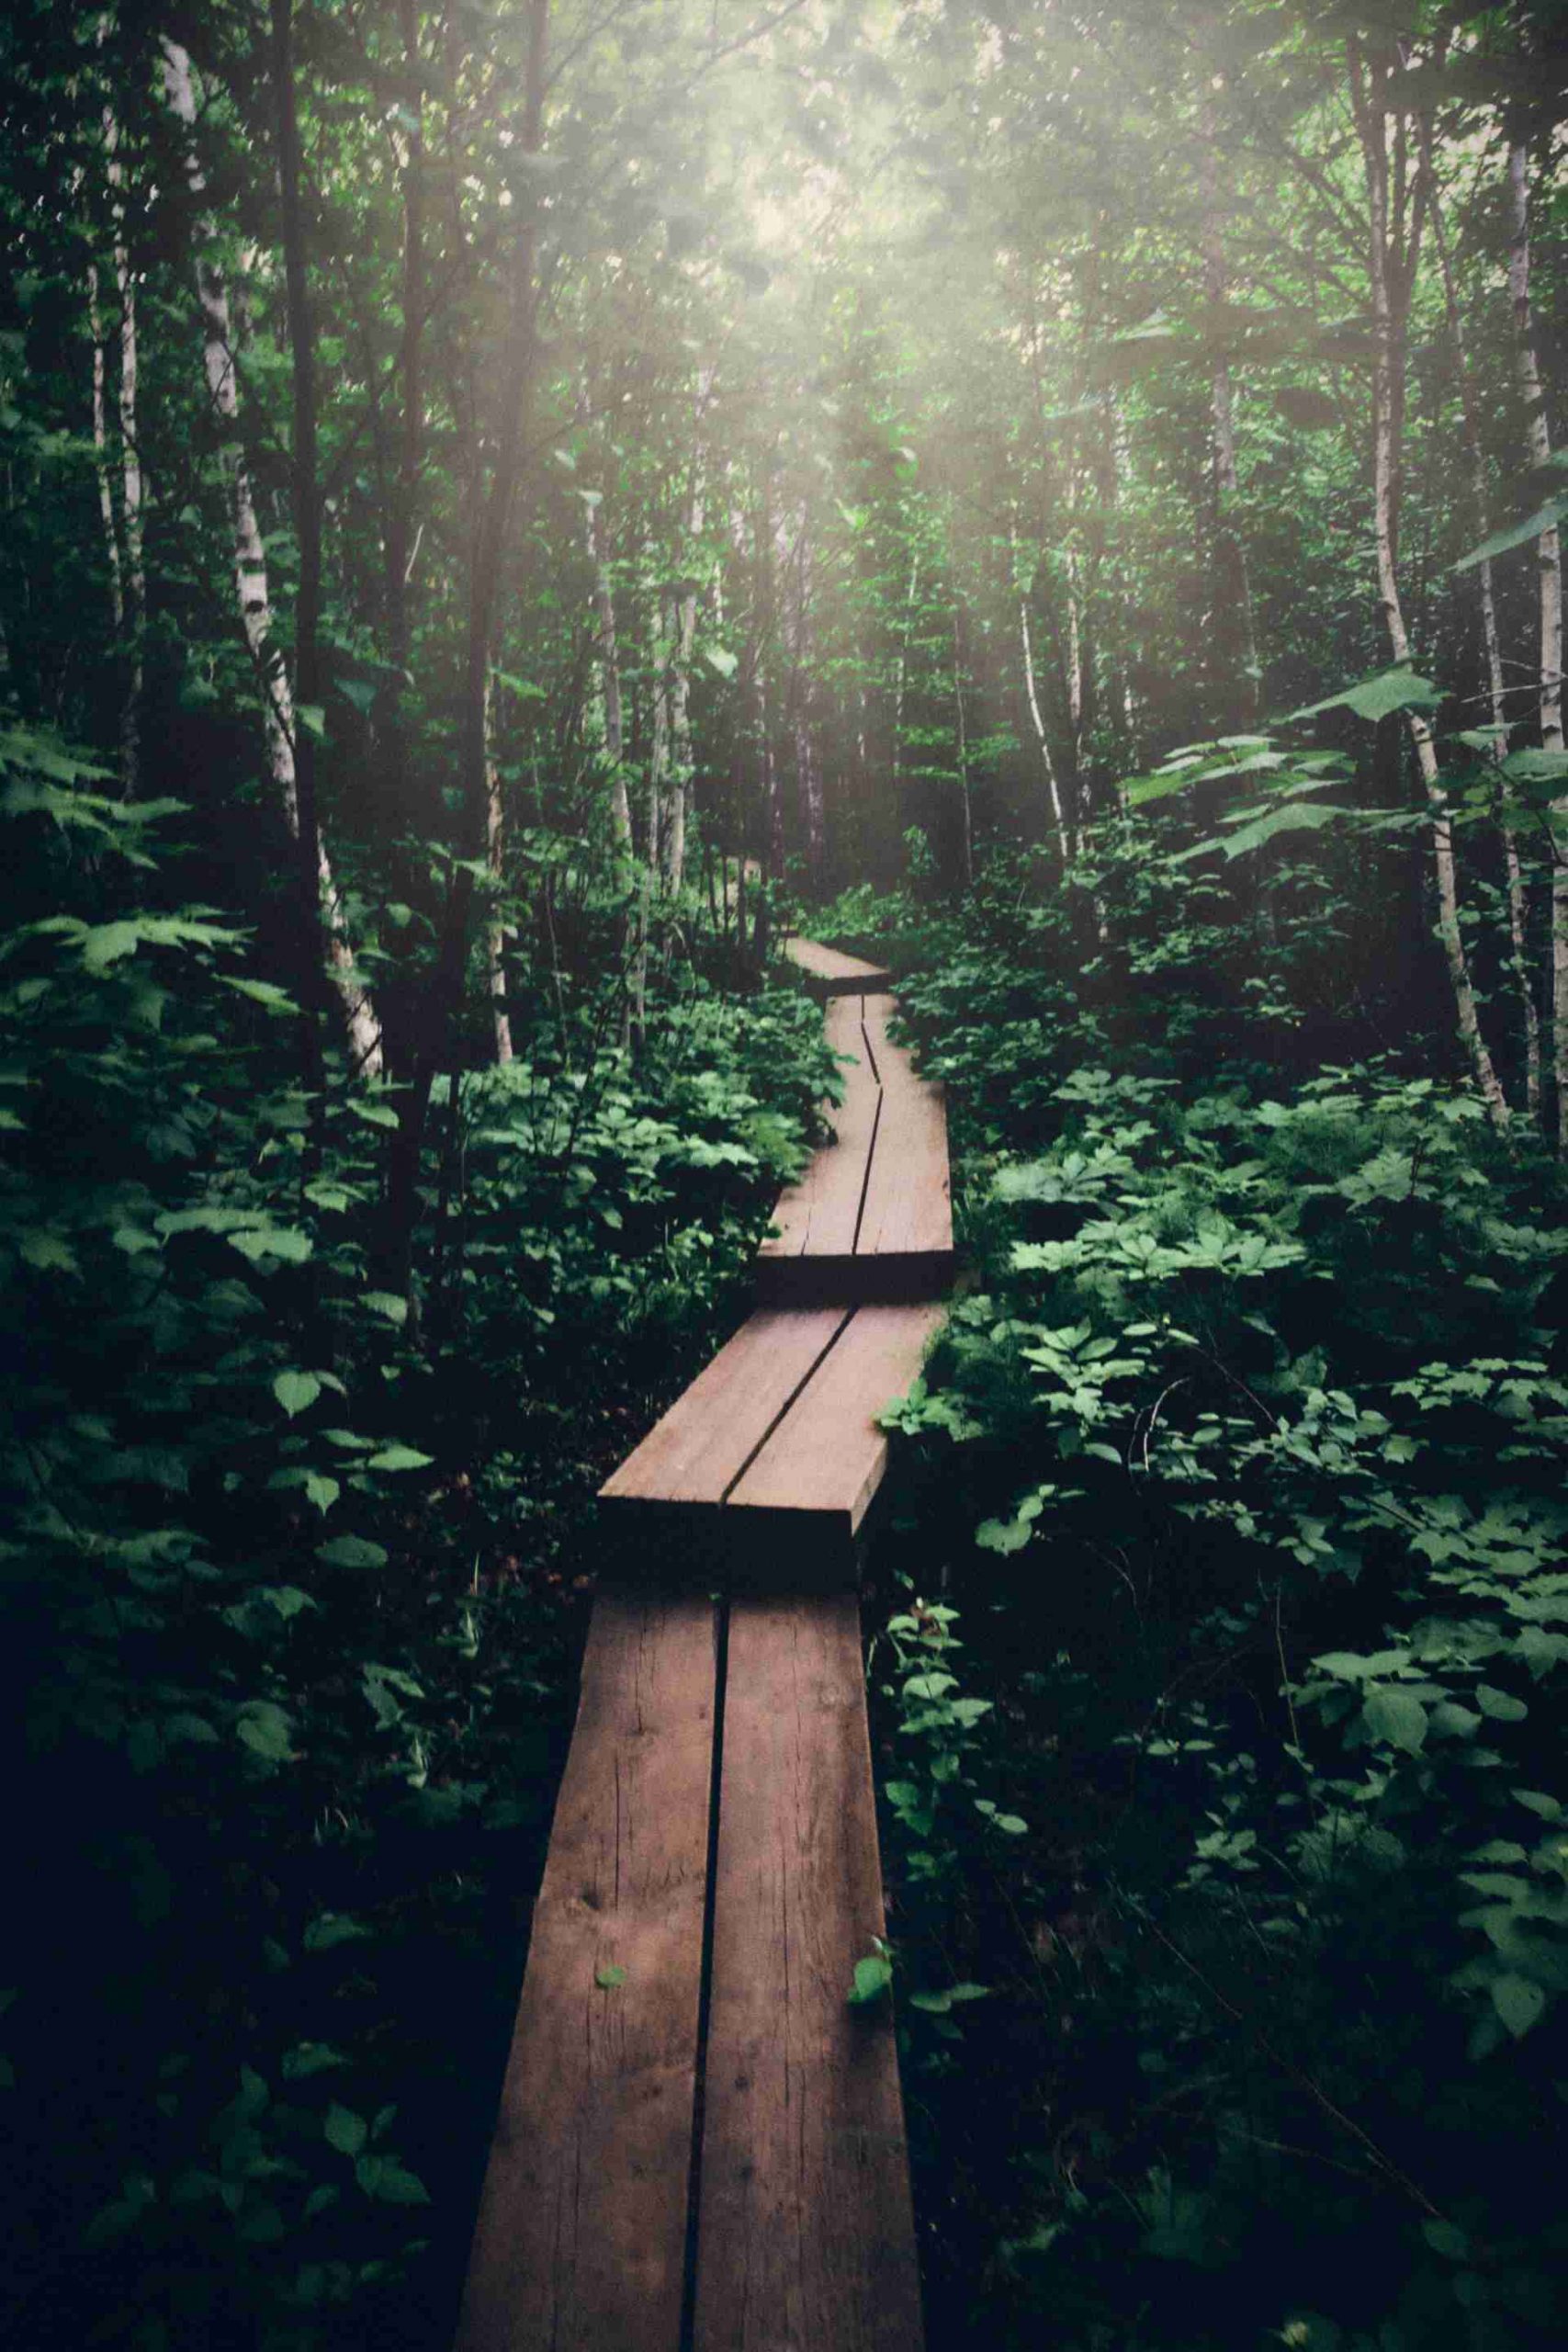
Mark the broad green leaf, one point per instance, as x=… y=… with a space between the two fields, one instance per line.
x=332 y=1927
x=1518 y=2002
x=387 y=1302
x=1514 y=535
x=400 y=1457
x=1393 y=1715
x=383 y=2178
x=351 y=1551
x=48 y=1252
x=264 y=1728
x=873 y=1975
x=283 y=1242
x=609 y=1978
x=267 y=993
x=1535 y=766
x=1379 y=698
x=344 y=2131
x=308 y=2058
x=1296 y=817
x=1446 y=2238
x=296 y=1391
x=110 y=943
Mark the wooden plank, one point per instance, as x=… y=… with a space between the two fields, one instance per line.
x=703 y=1441
x=582 y=2235
x=825 y=1461
x=909 y=1210
x=819 y=1215
x=828 y=972
x=806 y=2236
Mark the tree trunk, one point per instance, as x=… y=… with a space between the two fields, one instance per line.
x=101 y=451
x=659 y=809
x=1032 y=694
x=1549 y=557
x=134 y=574
x=250 y=581
x=609 y=662
x=401 y=537
x=304 y=471
x=967 y=814
x=495 y=934
x=1392 y=278
x=1518 y=925
x=684 y=767
x=1231 y=636
x=901 y=675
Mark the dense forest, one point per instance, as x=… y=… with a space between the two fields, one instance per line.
x=509 y=511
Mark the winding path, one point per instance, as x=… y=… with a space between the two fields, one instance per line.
x=701 y=2143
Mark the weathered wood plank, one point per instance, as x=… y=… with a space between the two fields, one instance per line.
x=806 y=2238
x=907 y=1213
x=582 y=2235
x=825 y=1461
x=695 y=1453
x=819 y=1215
x=828 y=972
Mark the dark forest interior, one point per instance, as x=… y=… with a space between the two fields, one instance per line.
x=510 y=513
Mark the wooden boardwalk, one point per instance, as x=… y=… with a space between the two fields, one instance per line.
x=701 y=2145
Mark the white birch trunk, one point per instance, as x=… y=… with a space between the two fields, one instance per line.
x=134 y=577
x=495 y=930
x=1032 y=694
x=1370 y=121
x=251 y=580
x=101 y=451
x=1549 y=557
x=1518 y=927
x=967 y=811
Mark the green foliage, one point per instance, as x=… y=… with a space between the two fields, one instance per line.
x=1244 y=1466
x=293 y=1563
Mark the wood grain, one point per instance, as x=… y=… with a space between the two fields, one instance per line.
x=819 y=1215
x=805 y=2239
x=581 y=2240
x=908 y=1213
x=826 y=1458
x=830 y=973
x=697 y=1449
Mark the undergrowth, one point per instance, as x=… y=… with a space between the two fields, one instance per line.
x=1220 y=1703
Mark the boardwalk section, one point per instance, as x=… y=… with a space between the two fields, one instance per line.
x=582 y=2235
x=701 y=2143
x=872 y=1216
x=829 y=973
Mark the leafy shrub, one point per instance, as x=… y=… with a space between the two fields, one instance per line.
x=1223 y=1746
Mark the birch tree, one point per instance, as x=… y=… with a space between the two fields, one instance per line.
x=1549 y=567
x=1393 y=247
x=1491 y=634
x=252 y=589
x=130 y=585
